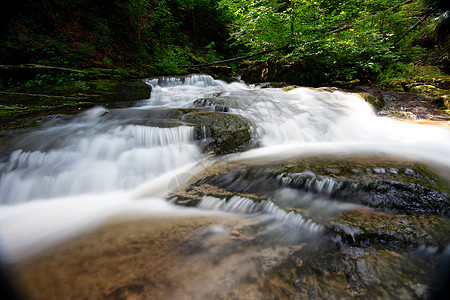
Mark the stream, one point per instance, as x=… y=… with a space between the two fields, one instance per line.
x=319 y=198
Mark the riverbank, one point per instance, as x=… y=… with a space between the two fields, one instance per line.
x=32 y=93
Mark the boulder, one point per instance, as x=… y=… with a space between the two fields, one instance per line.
x=221 y=133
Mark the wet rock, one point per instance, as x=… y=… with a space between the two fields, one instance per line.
x=391 y=231
x=408 y=188
x=323 y=271
x=266 y=85
x=376 y=102
x=221 y=133
x=220 y=103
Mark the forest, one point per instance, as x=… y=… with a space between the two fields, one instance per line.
x=371 y=40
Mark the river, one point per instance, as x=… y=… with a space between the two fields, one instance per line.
x=73 y=174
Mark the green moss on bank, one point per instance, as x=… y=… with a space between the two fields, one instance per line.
x=33 y=90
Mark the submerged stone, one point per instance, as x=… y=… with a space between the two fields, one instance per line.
x=366 y=250
x=411 y=188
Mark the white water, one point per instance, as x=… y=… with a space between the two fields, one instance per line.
x=71 y=175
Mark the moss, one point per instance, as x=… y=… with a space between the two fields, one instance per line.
x=347 y=84
x=397 y=85
x=392 y=231
x=109 y=90
x=388 y=185
x=376 y=102
x=68 y=97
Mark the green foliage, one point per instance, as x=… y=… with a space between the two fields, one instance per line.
x=169 y=60
x=345 y=39
x=349 y=38
x=115 y=33
x=402 y=71
x=49 y=79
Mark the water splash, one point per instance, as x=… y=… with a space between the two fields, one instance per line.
x=266 y=209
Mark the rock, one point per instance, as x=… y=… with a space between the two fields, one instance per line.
x=107 y=90
x=266 y=85
x=441 y=101
x=376 y=102
x=221 y=132
x=38 y=90
x=395 y=85
x=363 y=252
x=393 y=231
x=425 y=88
x=347 y=84
x=69 y=97
x=403 y=187
x=220 y=103
x=438 y=96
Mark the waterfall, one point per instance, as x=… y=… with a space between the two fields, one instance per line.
x=100 y=163
x=120 y=157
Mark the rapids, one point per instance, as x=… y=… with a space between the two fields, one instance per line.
x=72 y=174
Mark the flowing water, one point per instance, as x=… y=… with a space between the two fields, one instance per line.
x=70 y=175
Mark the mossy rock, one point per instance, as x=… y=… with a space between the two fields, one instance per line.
x=397 y=85
x=118 y=73
x=359 y=227
x=442 y=101
x=376 y=102
x=347 y=84
x=424 y=88
x=438 y=96
x=68 y=97
x=223 y=132
x=119 y=90
x=387 y=185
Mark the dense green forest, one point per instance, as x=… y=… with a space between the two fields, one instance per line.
x=87 y=33
x=371 y=40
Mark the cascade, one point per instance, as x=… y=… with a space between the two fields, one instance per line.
x=70 y=175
